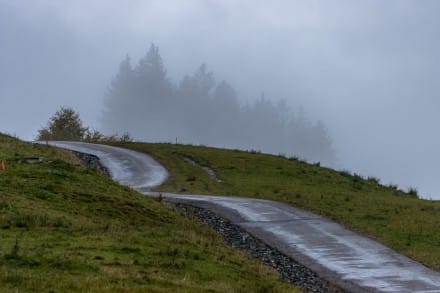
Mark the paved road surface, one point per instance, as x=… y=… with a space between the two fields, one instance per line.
x=352 y=261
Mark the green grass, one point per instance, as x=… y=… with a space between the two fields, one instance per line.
x=400 y=220
x=64 y=227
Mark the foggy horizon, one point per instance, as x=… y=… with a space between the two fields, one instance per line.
x=367 y=69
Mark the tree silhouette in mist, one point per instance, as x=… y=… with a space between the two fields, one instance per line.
x=145 y=102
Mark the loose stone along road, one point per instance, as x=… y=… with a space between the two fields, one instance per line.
x=353 y=262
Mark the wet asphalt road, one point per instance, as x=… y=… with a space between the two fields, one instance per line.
x=354 y=262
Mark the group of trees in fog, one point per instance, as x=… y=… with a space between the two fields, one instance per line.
x=143 y=100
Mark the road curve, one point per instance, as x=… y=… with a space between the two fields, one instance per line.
x=352 y=261
x=128 y=167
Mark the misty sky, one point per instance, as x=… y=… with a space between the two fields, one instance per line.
x=369 y=69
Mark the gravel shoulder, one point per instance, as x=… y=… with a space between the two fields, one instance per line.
x=289 y=269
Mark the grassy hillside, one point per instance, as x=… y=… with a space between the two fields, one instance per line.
x=397 y=219
x=64 y=227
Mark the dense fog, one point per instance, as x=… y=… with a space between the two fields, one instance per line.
x=363 y=74
x=143 y=101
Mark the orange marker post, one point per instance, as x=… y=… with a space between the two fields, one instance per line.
x=3 y=165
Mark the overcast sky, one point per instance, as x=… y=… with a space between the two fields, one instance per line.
x=368 y=69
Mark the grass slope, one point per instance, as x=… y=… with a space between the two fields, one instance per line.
x=401 y=221
x=64 y=227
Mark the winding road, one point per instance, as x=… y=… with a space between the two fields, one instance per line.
x=354 y=262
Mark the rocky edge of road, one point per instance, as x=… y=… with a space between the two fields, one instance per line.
x=289 y=269
x=91 y=161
